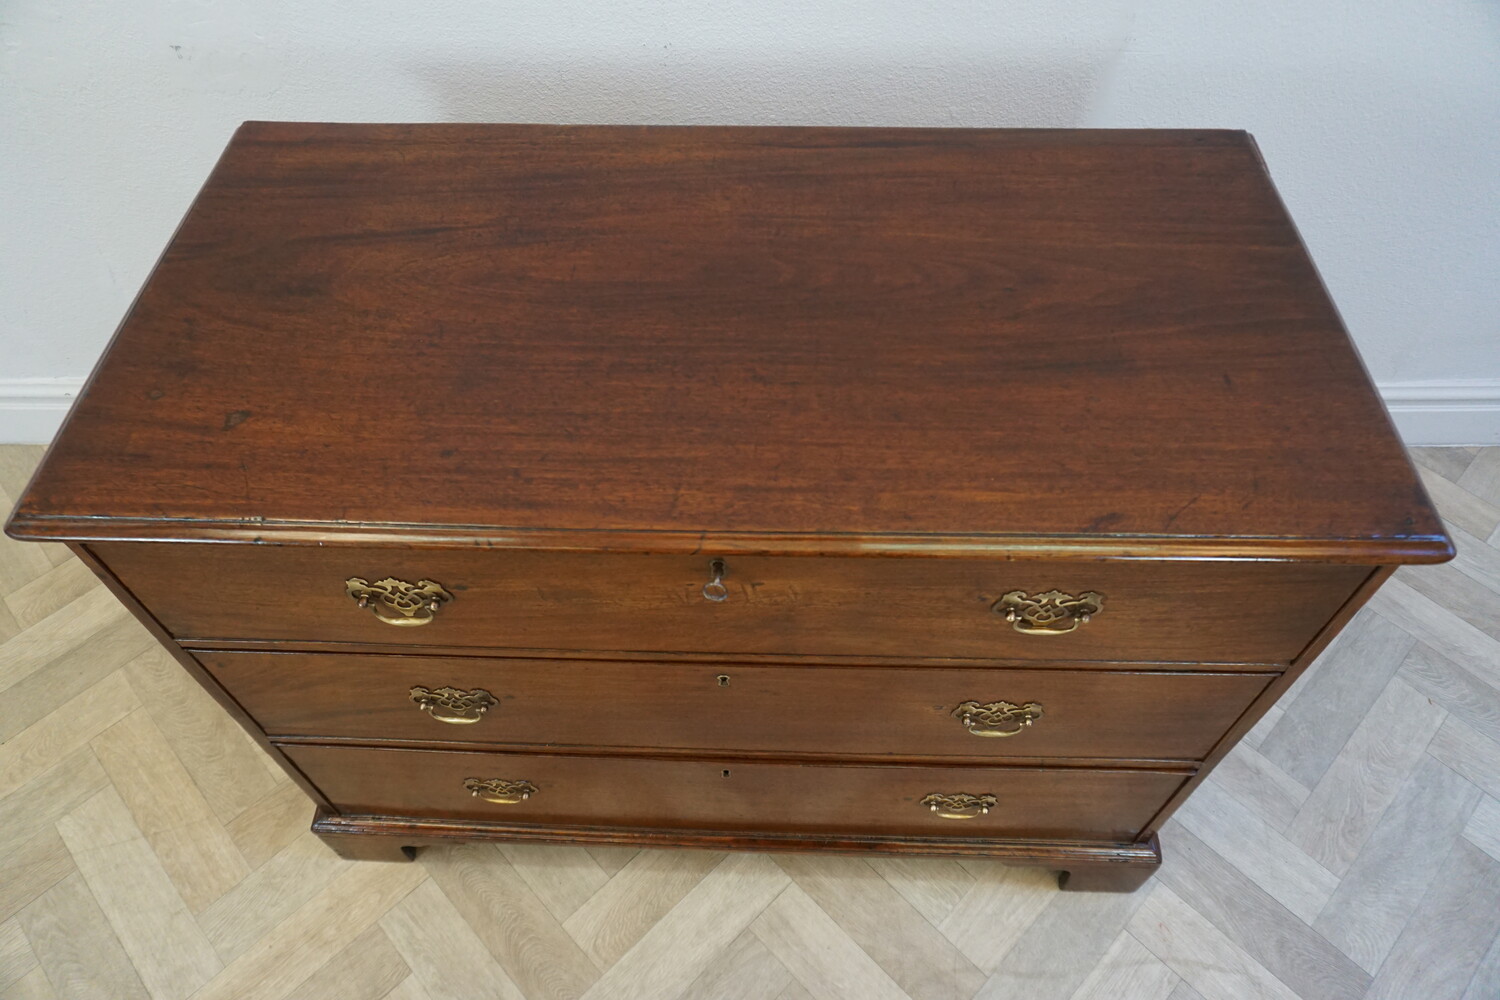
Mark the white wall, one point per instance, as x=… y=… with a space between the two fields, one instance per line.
x=1380 y=121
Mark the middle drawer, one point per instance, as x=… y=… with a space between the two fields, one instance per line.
x=894 y=711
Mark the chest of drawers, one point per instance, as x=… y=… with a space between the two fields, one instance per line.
x=893 y=490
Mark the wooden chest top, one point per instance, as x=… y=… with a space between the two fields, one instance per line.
x=1095 y=343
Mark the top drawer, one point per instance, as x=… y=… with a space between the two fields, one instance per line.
x=918 y=607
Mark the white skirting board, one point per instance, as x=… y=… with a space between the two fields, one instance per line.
x=1454 y=412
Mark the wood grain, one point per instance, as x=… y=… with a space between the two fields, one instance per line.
x=1241 y=612
x=635 y=272
x=731 y=796
x=849 y=711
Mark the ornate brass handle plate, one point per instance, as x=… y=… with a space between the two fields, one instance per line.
x=997 y=718
x=1051 y=613
x=959 y=805
x=397 y=602
x=499 y=790
x=447 y=704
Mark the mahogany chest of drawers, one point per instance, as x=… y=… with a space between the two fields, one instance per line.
x=895 y=490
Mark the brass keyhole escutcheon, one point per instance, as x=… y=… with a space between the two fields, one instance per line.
x=723 y=680
x=714 y=590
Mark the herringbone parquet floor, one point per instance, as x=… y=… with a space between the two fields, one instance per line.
x=1351 y=848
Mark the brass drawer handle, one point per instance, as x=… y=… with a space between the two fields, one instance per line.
x=959 y=805
x=1052 y=613
x=447 y=704
x=397 y=602
x=997 y=718
x=500 y=791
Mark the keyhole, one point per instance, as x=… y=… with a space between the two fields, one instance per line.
x=726 y=773
x=723 y=680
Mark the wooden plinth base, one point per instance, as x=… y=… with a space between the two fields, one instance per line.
x=1083 y=867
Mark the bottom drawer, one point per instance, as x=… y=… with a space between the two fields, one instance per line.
x=727 y=795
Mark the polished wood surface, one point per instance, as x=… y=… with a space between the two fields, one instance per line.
x=1187 y=612
x=861 y=711
x=671 y=338
x=882 y=378
x=728 y=796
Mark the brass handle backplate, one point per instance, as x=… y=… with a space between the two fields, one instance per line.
x=499 y=790
x=997 y=718
x=397 y=602
x=447 y=704
x=959 y=805
x=1051 y=613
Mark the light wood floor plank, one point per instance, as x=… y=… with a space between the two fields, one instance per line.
x=269 y=895
x=1439 y=628
x=1482 y=477
x=31 y=869
x=932 y=885
x=16 y=957
x=924 y=963
x=1067 y=939
x=228 y=768
x=1198 y=952
x=643 y=892
x=45 y=799
x=611 y=859
x=53 y=590
x=368 y=968
x=563 y=877
x=76 y=947
x=1406 y=850
x=70 y=674
x=1261 y=786
x=1483 y=828
x=193 y=847
x=445 y=955
x=1465 y=750
x=1128 y=970
x=1458 y=505
x=37 y=747
x=267 y=826
x=517 y=928
x=817 y=952
x=1485 y=984
x=746 y=970
x=169 y=951
x=1450 y=463
x=323 y=926
x=1267 y=931
x=1274 y=863
x=1446 y=586
x=1456 y=687
x=67 y=628
x=1449 y=934
x=997 y=911
x=677 y=950
x=1354 y=792
x=1350 y=676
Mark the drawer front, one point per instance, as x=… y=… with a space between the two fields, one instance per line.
x=904 y=712
x=726 y=795
x=1181 y=612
